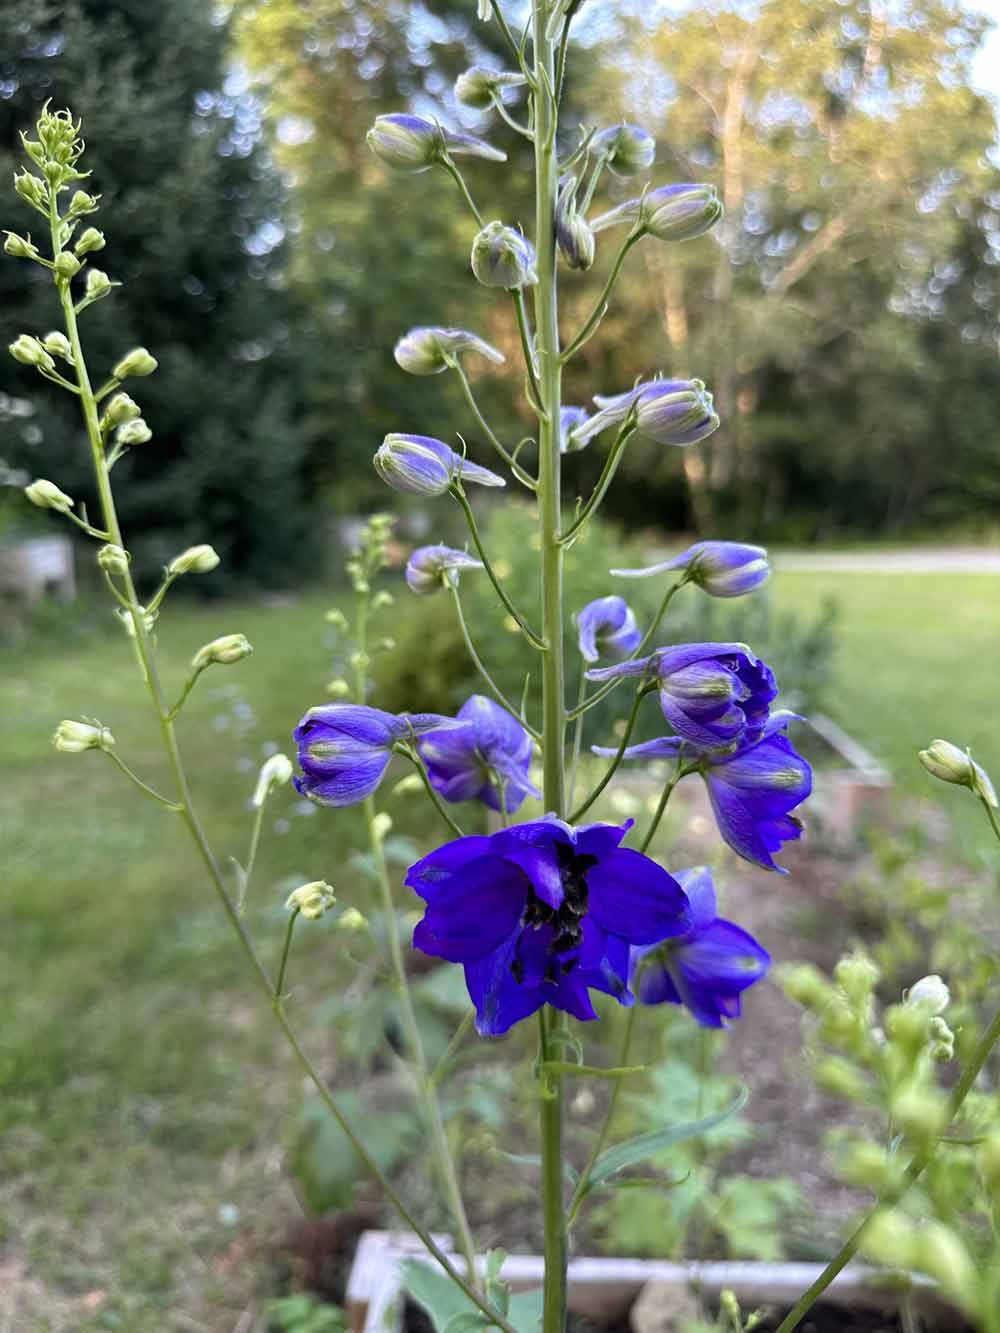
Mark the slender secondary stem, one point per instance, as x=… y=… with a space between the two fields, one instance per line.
x=143 y=787
x=279 y=985
x=522 y=476
x=480 y=666
x=258 y=822
x=413 y=754
x=477 y=541
x=528 y=351
x=668 y=791
x=581 y=1186
x=459 y=1035
x=581 y=810
x=599 y=310
x=459 y=180
x=607 y=476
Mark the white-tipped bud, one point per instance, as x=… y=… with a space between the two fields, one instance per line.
x=19 y=247
x=133 y=433
x=128 y=624
x=382 y=599
x=224 y=651
x=195 y=560
x=67 y=266
x=135 y=363
x=312 y=899
x=351 y=919
x=47 y=495
x=336 y=618
x=74 y=737
x=931 y=993
x=411 y=785
x=32 y=189
x=30 y=352
x=381 y=827
x=890 y=1237
x=89 y=240
x=113 y=559
x=338 y=688
x=122 y=408
x=503 y=257
x=478 y=87
x=941 y=1254
x=81 y=203
x=276 y=772
x=58 y=344
x=98 y=284
x=947 y=762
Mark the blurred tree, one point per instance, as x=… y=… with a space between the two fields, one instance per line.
x=191 y=213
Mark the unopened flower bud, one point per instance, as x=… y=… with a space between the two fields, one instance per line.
x=857 y=977
x=431 y=568
x=942 y=1041
x=478 y=87
x=312 y=899
x=381 y=827
x=921 y=1113
x=58 y=344
x=30 y=352
x=67 y=265
x=430 y=351
x=351 y=919
x=19 y=247
x=338 y=688
x=32 y=189
x=224 y=651
x=627 y=149
x=730 y=1306
x=47 y=495
x=135 y=363
x=841 y=1078
x=133 y=433
x=930 y=993
x=113 y=559
x=570 y=418
x=411 y=143
x=671 y=213
x=722 y=569
x=121 y=408
x=195 y=560
x=907 y=1026
x=890 y=1237
x=947 y=762
x=81 y=203
x=573 y=235
x=411 y=785
x=940 y=1253
x=678 y=412
x=98 y=284
x=128 y=623
x=806 y=985
x=336 y=618
x=382 y=599
x=275 y=772
x=503 y=257
x=89 y=240
x=74 y=737
x=867 y=1165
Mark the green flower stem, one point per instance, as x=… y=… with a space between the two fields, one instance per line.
x=189 y=814
x=477 y=541
x=579 y=1194
x=917 y=1166
x=134 y=778
x=527 y=350
x=607 y=476
x=189 y=685
x=258 y=821
x=86 y=527
x=610 y=685
x=552 y=1024
x=522 y=476
x=600 y=309
x=577 y=717
x=505 y=115
x=459 y=180
x=413 y=754
x=668 y=791
x=459 y=1035
x=279 y=985
x=478 y=663
x=516 y=50
x=581 y=810
x=595 y=177
x=162 y=590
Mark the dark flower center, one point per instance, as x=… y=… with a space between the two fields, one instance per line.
x=564 y=920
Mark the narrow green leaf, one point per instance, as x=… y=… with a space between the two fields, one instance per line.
x=644 y=1146
x=533 y=1159
x=592 y=1071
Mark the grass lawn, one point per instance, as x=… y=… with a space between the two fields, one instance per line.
x=143 y=1099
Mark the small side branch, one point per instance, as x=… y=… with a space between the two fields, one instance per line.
x=477 y=541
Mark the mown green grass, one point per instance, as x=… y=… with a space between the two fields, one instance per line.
x=141 y=1087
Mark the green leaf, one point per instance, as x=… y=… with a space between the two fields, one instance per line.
x=644 y=1146
x=450 y=1309
x=643 y=1183
x=325 y=1164
x=467 y=1321
x=591 y=1071
x=533 y=1159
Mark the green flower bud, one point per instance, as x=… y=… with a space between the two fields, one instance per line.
x=58 y=344
x=135 y=363
x=276 y=772
x=128 y=624
x=74 y=737
x=32 y=189
x=940 y=1253
x=841 y=1078
x=133 y=433
x=81 y=203
x=503 y=257
x=351 y=919
x=224 y=651
x=195 y=560
x=114 y=559
x=411 y=785
x=336 y=618
x=921 y=1113
x=30 y=352
x=89 y=240
x=382 y=599
x=477 y=87
x=121 y=409
x=857 y=977
x=67 y=265
x=338 y=688
x=907 y=1025
x=868 y=1166
x=312 y=899
x=942 y=1041
x=98 y=284
x=930 y=993
x=381 y=827
x=947 y=762
x=890 y=1237
x=806 y=985
x=47 y=495
x=19 y=247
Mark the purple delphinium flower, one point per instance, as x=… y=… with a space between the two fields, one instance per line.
x=678 y=412
x=722 y=569
x=708 y=967
x=344 y=749
x=422 y=465
x=753 y=790
x=714 y=695
x=541 y=914
x=606 y=628
x=569 y=419
x=486 y=759
x=431 y=568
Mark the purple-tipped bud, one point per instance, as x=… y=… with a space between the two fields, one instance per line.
x=671 y=213
x=627 y=149
x=607 y=628
x=421 y=465
x=430 y=351
x=431 y=568
x=503 y=257
x=411 y=143
x=479 y=87
x=722 y=569
x=668 y=411
x=570 y=420
x=573 y=235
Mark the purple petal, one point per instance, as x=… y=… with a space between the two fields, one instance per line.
x=697 y=884
x=347 y=785
x=472 y=913
x=631 y=896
